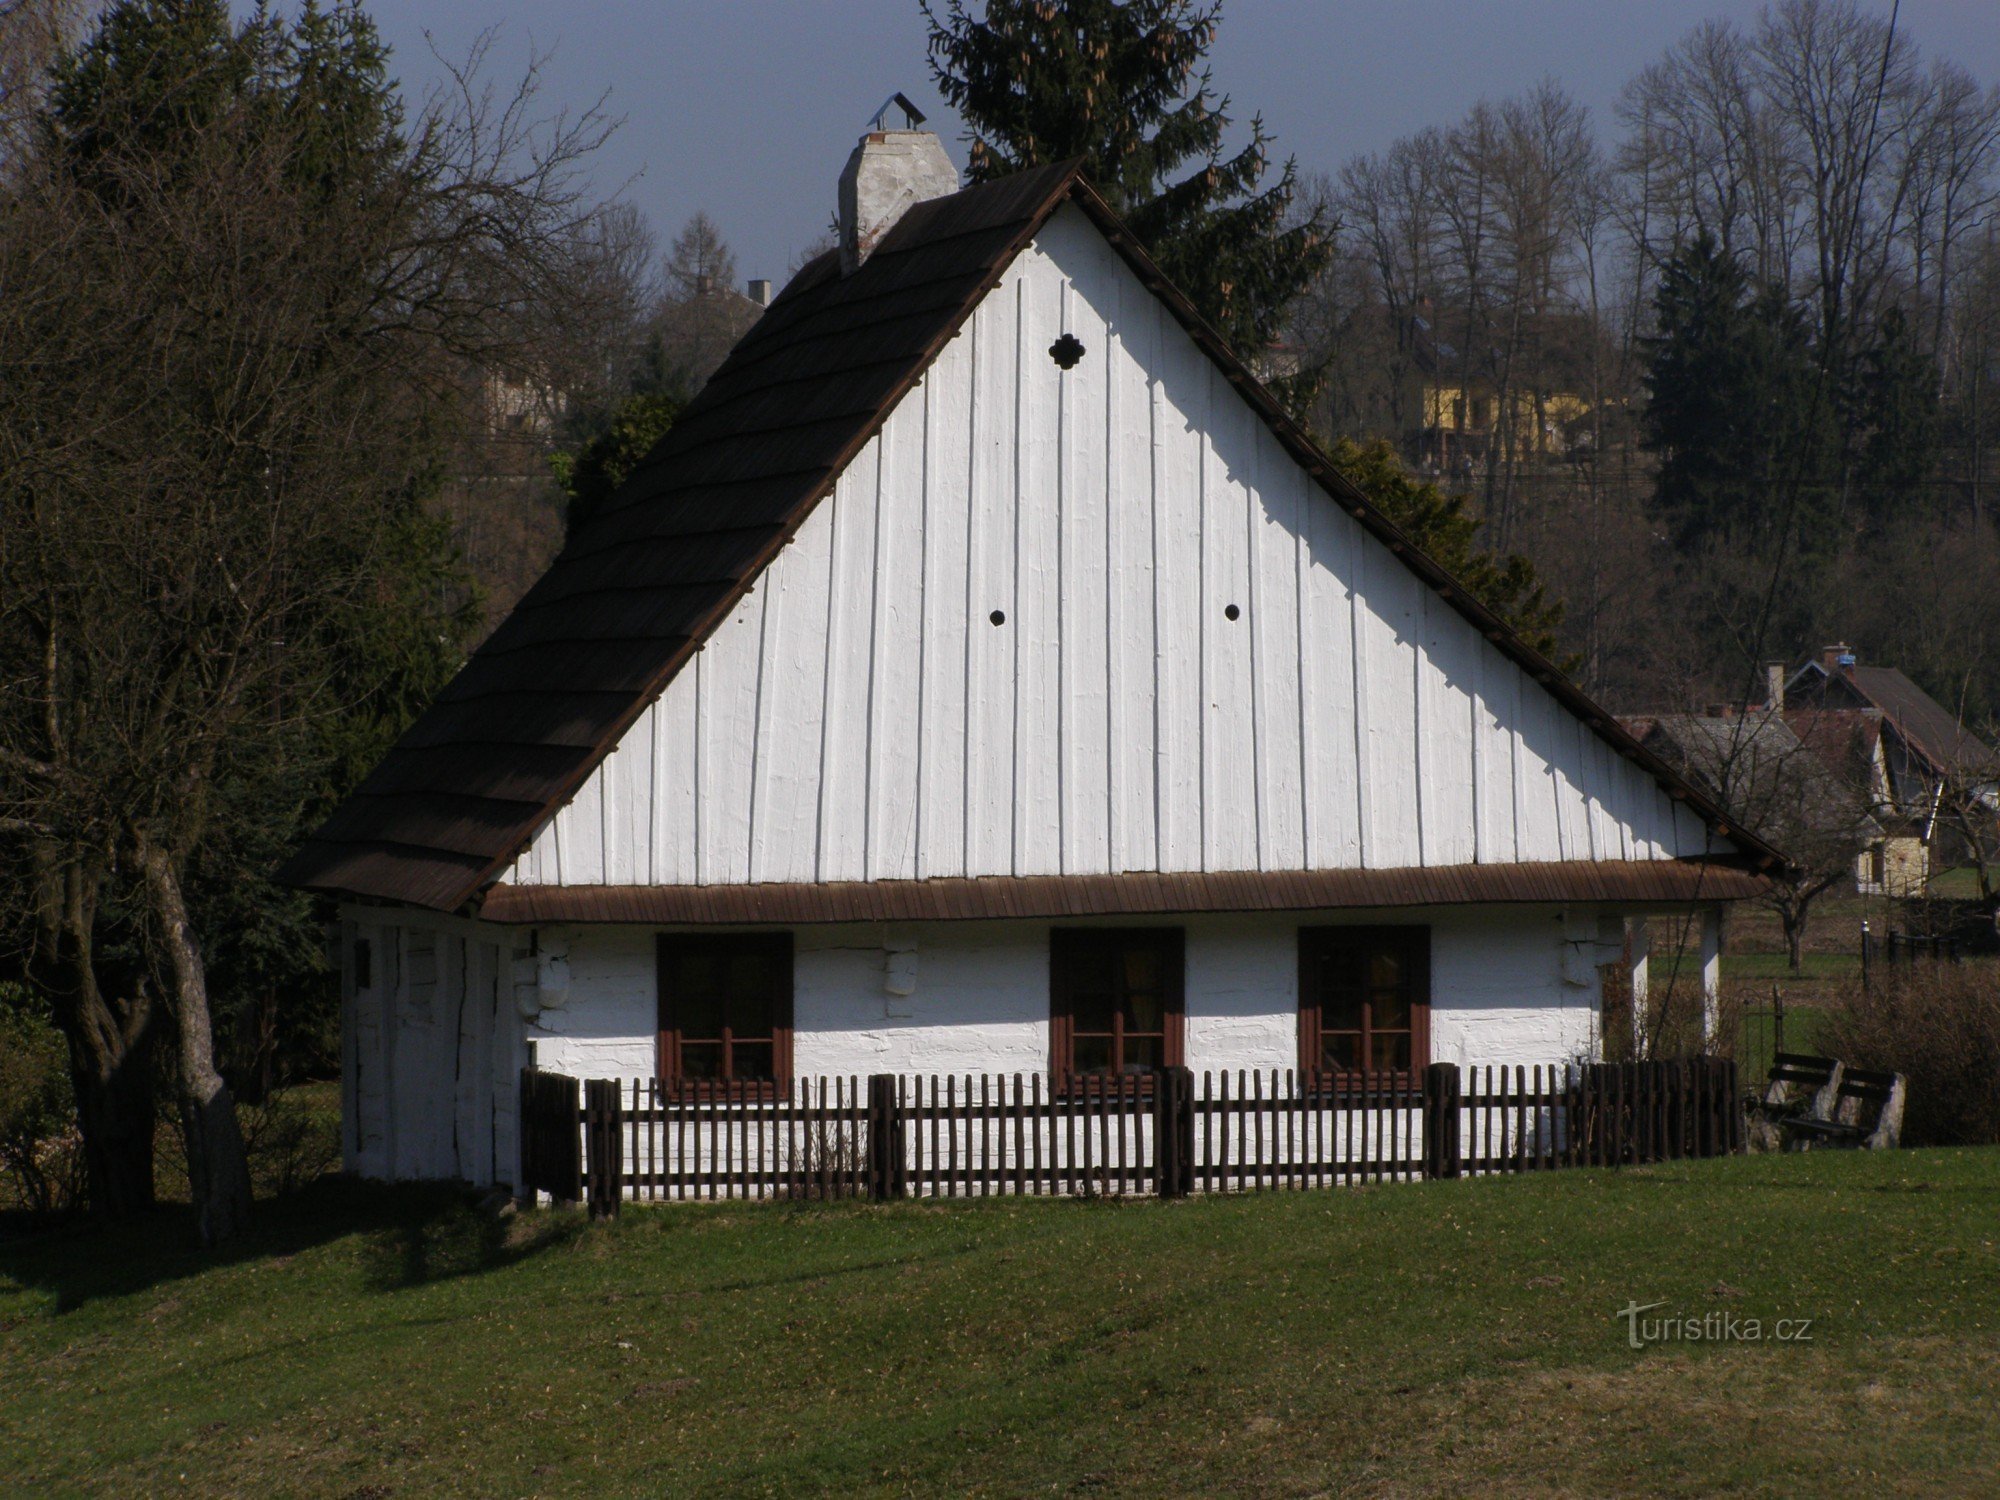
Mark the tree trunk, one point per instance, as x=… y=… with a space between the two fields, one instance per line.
x=218 y=1169
x=110 y=1045
x=1795 y=936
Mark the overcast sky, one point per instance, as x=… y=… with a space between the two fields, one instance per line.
x=748 y=108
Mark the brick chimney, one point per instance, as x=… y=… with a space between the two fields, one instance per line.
x=889 y=171
x=1835 y=658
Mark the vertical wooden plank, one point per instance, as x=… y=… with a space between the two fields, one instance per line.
x=1328 y=604
x=1228 y=746
x=791 y=706
x=1084 y=545
x=1178 y=417
x=727 y=690
x=1038 y=731
x=1070 y=1105
x=951 y=1135
x=1207 y=1177
x=1035 y=1132
x=1103 y=1140
x=1278 y=522
x=897 y=647
x=1447 y=660
x=1347 y=1123
x=1317 y=1092
x=844 y=816
x=989 y=1164
x=1259 y=1161
x=1520 y=1118
x=1131 y=599
x=947 y=611
x=992 y=506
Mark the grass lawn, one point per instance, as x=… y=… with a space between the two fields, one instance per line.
x=1812 y=966
x=1418 y=1338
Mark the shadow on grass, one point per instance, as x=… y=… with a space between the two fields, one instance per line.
x=410 y=1234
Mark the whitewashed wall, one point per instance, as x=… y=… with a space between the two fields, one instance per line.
x=431 y=1049
x=1508 y=985
x=859 y=717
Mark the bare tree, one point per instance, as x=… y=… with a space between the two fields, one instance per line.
x=223 y=373
x=702 y=314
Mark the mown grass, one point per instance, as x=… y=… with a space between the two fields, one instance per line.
x=1396 y=1339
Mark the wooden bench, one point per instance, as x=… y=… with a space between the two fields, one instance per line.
x=1867 y=1113
x=1801 y=1086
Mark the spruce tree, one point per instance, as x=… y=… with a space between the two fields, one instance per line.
x=1734 y=408
x=1444 y=526
x=1894 y=422
x=1122 y=86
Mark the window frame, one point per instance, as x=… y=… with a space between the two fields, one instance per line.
x=1067 y=941
x=667 y=1051
x=1414 y=938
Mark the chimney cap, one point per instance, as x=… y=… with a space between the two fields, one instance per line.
x=912 y=116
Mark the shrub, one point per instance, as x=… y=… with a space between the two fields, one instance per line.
x=1939 y=1026
x=41 y=1154
x=292 y=1138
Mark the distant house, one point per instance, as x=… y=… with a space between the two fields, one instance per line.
x=1757 y=766
x=984 y=675
x=1917 y=757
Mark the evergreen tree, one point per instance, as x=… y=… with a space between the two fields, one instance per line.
x=1120 y=83
x=1444 y=527
x=590 y=472
x=1895 y=423
x=1734 y=410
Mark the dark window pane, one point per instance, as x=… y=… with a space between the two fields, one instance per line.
x=750 y=1060
x=1385 y=967
x=751 y=1015
x=698 y=972
x=1390 y=1008
x=1340 y=1010
x=1092 y=1054
x=701 y=1059
x=1087 y=965
x=1092 y=1010
x=1392 y=1049
x=749 y=976
x=1143 y=1009
x=1143 y=1054
x=1142 y=968
x=1340 y=1049
x=698 y=1013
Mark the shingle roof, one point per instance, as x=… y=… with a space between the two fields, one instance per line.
x=1923 y=722
x=638 y=588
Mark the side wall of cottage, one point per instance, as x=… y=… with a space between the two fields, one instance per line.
x=1508 y=985
x=432 y=1043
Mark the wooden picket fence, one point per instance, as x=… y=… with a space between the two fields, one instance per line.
x=1169 y=1133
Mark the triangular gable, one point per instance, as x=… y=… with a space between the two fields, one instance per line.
x=671 y=565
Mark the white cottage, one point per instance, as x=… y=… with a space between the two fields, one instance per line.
x=984 y=675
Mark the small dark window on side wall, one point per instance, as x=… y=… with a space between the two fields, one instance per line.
x=1115 y=1002
x=726 y=1012
x=1364 y=999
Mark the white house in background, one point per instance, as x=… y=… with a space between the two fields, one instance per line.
x=984 y=675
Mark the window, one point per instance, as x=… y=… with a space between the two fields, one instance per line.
x=1364 y=998
x=726 y=1010
x=1115 y=1001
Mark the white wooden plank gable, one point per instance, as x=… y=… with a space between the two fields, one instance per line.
x=861 y=716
